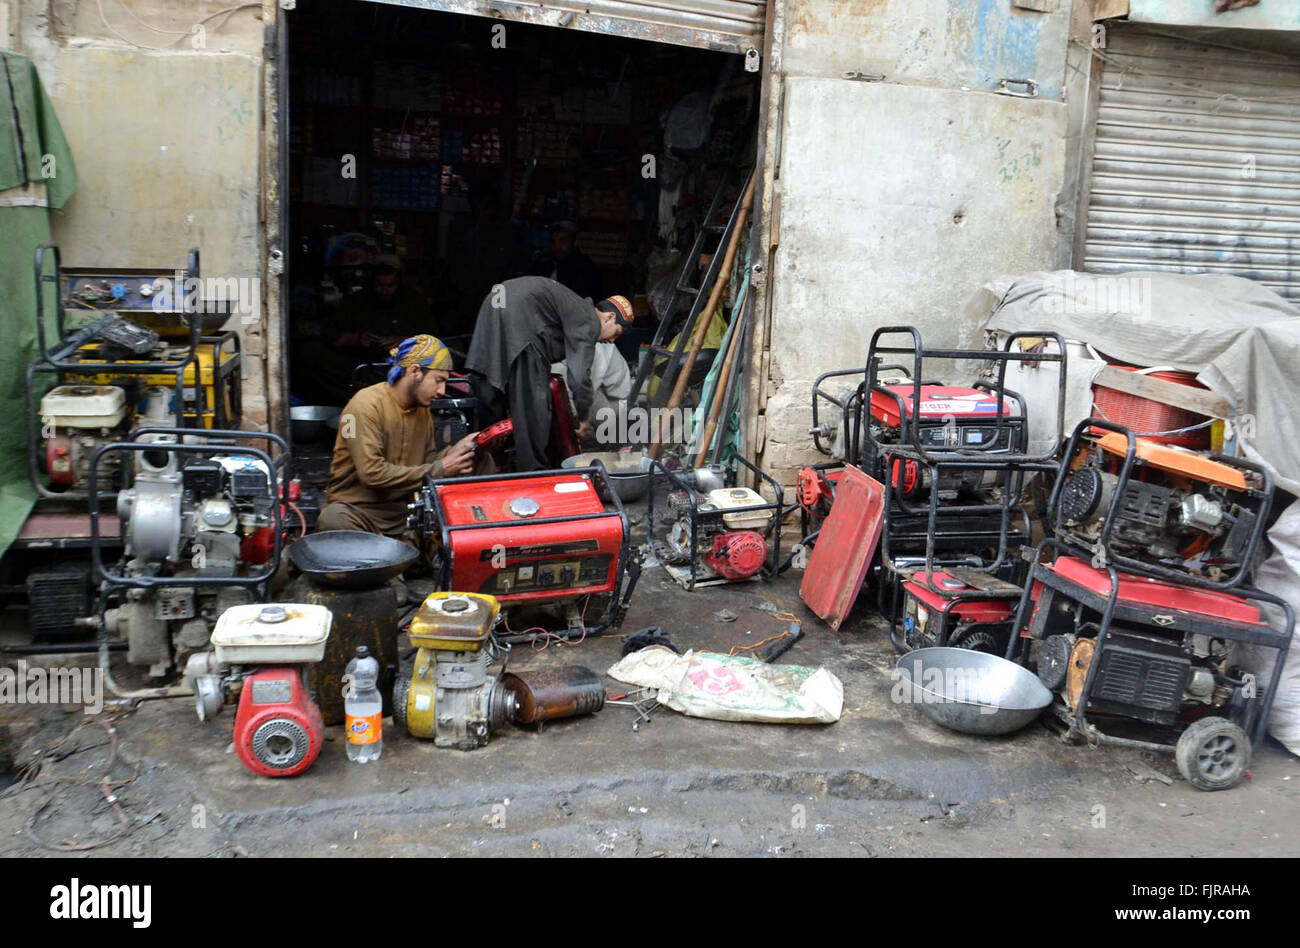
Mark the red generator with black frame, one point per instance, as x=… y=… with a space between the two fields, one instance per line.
x=1143 y=662
x=950 y=612
x=532 y=540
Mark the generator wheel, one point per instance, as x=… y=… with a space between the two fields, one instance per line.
x=979 y=641
x=401 y=692
x=1213 y=754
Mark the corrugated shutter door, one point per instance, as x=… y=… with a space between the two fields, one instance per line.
x=730 y=25
x=1196 y=165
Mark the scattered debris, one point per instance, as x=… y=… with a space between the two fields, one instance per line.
x=1142 y=772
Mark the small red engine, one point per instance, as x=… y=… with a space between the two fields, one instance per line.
x=263 y=652
x=278 y=728
x=737 y=554
x=721 y=535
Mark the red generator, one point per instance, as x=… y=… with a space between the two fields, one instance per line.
x=1142 y=662
x=972 y=612
x=555 y=539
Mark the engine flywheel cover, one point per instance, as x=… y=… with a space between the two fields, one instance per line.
x=738 y=555
x=281 y=743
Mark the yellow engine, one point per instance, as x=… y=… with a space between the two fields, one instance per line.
x=449 y=695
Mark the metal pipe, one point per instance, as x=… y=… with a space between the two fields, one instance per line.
x=706 y=316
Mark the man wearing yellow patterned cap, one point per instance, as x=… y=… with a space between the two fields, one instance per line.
x=385 y=443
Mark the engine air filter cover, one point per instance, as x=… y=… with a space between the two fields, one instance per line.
x=1081 y=495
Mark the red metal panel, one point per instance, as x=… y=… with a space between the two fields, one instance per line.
x=845 y=547
x=1158 y=594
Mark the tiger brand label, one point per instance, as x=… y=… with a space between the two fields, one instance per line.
x=541 y=549
x=364 y=730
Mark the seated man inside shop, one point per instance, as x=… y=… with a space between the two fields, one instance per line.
x=365 y=327
x=567 y=264
x=385 y=443
x=525 y=325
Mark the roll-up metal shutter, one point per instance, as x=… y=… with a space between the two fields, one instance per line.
x=730 y=25
x=1196 y=161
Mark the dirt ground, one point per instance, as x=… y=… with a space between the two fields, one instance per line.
x=883 y=781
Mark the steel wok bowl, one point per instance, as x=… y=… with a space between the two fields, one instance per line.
x=311 y=422
x=972 y=692
x=350 y=559
x=628 y=471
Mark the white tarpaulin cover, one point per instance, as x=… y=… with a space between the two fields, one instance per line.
x=1280 y=575
x=733 y=687
x=1242 y=340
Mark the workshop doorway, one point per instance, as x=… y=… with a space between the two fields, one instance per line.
x=452 y=145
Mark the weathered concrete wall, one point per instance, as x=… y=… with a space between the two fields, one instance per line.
x=972 y=43
x=161 y=106
x=897 y=198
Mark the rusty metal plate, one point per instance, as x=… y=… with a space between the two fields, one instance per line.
x=845 y=547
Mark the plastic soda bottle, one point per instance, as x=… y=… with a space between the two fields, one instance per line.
x=363 y=708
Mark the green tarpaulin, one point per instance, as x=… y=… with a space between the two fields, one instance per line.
x=36 y=174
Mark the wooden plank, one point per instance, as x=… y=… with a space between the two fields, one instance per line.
x=1199 y=400
x=1105 y=9
x=979 y=580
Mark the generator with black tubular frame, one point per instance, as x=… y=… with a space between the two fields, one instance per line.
x=1141 y=662
x=705 y=534
x=201 y=530
x=962 y=448
x=542 y=540
x=954 y=463
x=152 y=354
x=1160 y=510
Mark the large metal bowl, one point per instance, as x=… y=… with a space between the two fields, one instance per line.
x=350 y=559
x=176 y=325
x=628 y=471
x=972 y=692
x=312 y=422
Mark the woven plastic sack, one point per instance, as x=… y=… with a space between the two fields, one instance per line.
x=734 y=687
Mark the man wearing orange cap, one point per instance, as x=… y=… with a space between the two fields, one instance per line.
x=525 y=325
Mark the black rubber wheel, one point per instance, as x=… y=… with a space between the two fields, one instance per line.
x=401 y=692
x=1213 y=754
x=979 y=641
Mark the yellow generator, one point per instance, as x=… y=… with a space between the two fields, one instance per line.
x=215 y=403
x=449 y=694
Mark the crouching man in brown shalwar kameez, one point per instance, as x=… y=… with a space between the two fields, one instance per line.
x=385 y=443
